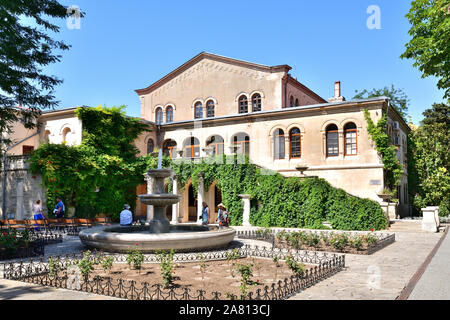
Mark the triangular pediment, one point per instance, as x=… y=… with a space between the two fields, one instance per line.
x=213 y=62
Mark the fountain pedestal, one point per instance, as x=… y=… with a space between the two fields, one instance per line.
x=159 y=200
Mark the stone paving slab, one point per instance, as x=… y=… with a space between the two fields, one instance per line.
x=380 y=276
x=435 y=281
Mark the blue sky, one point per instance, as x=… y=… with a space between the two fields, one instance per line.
x=127 y=45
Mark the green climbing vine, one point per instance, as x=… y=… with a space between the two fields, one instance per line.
x=387 y=151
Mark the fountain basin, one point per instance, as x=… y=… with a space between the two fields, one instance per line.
x=159 y=200
x=181 y=238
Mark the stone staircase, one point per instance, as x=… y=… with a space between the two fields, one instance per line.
x=412 y=226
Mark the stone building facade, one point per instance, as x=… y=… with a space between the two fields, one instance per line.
x=217 y=105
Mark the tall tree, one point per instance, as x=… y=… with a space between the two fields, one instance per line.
x=429 y=161
x=399 y=100
x=24 y=51
x=430 y=43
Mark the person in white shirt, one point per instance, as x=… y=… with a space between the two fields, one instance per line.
x=126 y=217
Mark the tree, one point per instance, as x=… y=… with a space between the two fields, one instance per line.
x=430 y=43
x=398 y=98
x=439 y=113
x=24 y=50
x=429 y=161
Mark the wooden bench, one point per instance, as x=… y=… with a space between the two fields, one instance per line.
x=56 y=223
x=99 y=221
x=3 y=224
x=37 y=225
x=17 y=224
x=82 y=222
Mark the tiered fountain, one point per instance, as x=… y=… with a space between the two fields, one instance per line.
x=159 y=235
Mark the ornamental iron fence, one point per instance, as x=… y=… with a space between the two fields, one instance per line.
x=38 y=272
x=383 y=239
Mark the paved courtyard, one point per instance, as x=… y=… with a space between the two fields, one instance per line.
x=379 y=276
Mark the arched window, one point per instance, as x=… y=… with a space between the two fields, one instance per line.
x=278 y=138
x=351 y=142
x=64 y=134
x=192 y=148
x=243 y=104
x=210 y=109
x=295 y=143
x=150 y=146
x=170 y=148
x=332 y=141
x=291 y=101
x=159 y=116
x=198 y=110
x=256 y=102
x=296 y=102
x=169 y=114
x=241 y=143
x=216 y=143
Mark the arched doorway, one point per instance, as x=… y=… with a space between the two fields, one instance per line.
x=192 y=204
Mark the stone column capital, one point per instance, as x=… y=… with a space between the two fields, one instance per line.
x=245 y=196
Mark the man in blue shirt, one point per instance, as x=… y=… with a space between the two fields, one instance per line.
x=126 y=217
x=59 y=209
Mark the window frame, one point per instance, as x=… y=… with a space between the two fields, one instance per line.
x=352 y=130
x=256 y=101
x=327 y=132
x=291 y=140
x=243 y=104
x=280 y=141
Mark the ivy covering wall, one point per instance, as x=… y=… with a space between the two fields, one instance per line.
x=102 y=174
x=278 y=201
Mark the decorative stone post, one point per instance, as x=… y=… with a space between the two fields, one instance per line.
x=393 y=210
x=150 y=188
x=175 y=205
x=246 y=214
x=200 y=197
x=429 y=221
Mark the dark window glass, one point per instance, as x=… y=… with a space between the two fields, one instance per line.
x=256 y=102
x=295 y=143
x=169 y=114
x=216 y=143
x=210 y=109
x=243 y=104
x=169 y=149
x=198 y=110
x=242 y=143
x=150 y=146
x=291 y=102
x=192 y=148
x=159 y=116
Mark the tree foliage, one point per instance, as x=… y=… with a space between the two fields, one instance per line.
x=429 y=161
x=398 y=99
x=430 y=43
x=24 y=51
x=102 y=173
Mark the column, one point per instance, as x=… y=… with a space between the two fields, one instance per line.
x=150 y=188
x=200 y=198
x=385 y=207
x=175 y=205
x=428 y=220
x=246 y=214
x=20 y=210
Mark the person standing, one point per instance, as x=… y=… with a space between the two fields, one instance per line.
x=126 y=217
x=222 y=216
x=205 y=214
x=37 y=211
x=60 y=209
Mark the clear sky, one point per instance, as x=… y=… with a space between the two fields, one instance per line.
x=126 y=45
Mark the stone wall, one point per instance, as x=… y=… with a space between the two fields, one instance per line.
x=22 y=189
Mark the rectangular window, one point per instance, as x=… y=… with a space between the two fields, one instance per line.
x=332 y=144
x=27 y=150
x=350 y=143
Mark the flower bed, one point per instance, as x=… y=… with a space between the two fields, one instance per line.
x=60 y=273
x=322 y=240
x=22 y=244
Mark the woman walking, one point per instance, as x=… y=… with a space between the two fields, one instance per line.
x=205 y=214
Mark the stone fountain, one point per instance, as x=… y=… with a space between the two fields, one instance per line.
x=159 y=234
